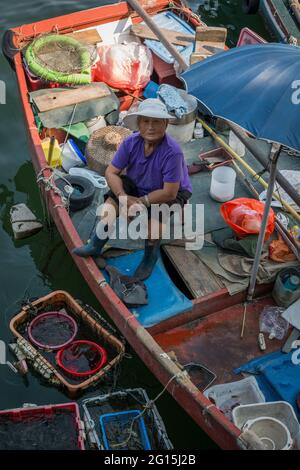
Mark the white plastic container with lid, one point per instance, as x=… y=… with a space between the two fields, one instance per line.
x=71 y=155
x=222 y=183
x=236 y=144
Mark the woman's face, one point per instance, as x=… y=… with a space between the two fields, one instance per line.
x=152 y=129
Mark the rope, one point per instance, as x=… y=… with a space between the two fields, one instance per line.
x=50 y=185
x=291 y=152
x=146 y=407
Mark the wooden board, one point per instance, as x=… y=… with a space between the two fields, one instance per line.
x=211 y=34
x=175 y=37
x=55 y=100
x=197 y=277
x=90 y=36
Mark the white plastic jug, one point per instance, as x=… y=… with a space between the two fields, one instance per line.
x=236 y=144
x=71 y=155
x=222 y=183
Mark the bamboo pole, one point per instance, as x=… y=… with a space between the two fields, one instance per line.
x=248 y=168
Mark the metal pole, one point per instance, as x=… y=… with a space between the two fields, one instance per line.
x=274 y=154
x=284 y=183
x=160 y=36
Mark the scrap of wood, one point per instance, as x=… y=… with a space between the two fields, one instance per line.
x=197 y=57
x=209 y=41
x=175 y=37
x=55 y=100
x=211 y=34
x=89 y=36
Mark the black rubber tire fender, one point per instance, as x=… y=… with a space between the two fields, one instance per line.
x=250 y=7
x=82 y=197
x=9 y=49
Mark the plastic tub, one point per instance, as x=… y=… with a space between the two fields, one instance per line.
x=71 y=155
x=273 y=433
x=228 y=396
x=42 y=323
x=122 y=423
x=77 y=358
x=222 y=184
x=280 y=410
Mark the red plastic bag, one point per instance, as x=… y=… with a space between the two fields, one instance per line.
x=244 y=216
x=124 y=66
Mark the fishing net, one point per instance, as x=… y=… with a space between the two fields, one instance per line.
x=61 y=58
x=40 y=431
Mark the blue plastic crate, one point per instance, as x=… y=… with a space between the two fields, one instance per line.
x=122 y=420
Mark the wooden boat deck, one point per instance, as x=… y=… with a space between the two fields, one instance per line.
x=215 y=340
x=199 y=280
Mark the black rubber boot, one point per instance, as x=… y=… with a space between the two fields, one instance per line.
x=145 y=268
x=93 y=247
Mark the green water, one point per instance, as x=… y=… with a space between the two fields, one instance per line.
x=40 y=264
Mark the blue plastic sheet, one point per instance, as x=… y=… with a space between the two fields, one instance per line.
x=165 y=300
x=277 y=377
x=256 y=87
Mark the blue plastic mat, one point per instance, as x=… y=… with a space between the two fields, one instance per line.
x=169 y=20
x=277 y=377
x=165 y=300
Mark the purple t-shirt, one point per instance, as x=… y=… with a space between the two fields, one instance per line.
x=165 y=164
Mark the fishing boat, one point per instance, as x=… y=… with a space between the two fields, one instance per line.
x=189 y=334
x=281 y=16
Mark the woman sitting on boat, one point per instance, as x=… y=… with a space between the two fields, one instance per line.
x=156 y=174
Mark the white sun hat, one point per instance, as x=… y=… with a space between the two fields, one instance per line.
x=152 y=107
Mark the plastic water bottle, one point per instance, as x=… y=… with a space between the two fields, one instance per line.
x=198 y=131
x=236 y=144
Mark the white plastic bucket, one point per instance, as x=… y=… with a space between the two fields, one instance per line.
x=71 y=156
x=222 y=183
x=182 y=133
x=273 y=433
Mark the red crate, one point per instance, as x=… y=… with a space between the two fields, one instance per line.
x=165 y=72
x=17 y=415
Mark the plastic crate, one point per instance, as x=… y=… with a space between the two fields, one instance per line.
x=41 y=360
x=124 y=400
x=27 y=415
x=123 y=421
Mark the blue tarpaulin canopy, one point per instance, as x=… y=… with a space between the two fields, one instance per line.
x=255 y=87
